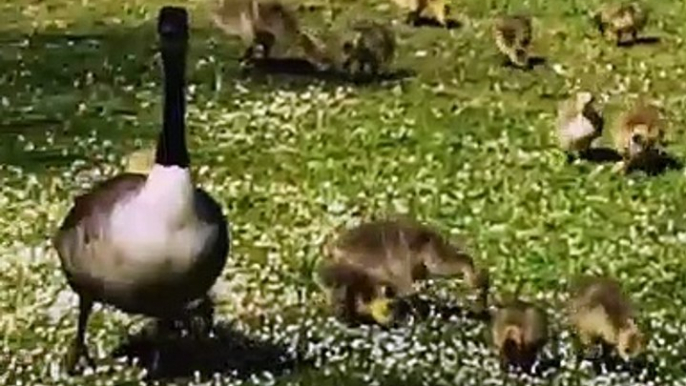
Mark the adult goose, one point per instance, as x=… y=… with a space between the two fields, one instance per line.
x=151 y=245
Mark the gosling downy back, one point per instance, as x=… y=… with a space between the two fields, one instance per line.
x=599 y=308
x=152 y=244
x=402 y=251
x=380 y=249
x=248 y=18
x=578 y=122
x=376 y=38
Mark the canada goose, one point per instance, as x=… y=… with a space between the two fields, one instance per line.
x=519 y=330
x=622 y=20
x=151 y=245
x=512 y=36
x=371 y=50
x=394 y=253
x=637 y=133
x=261 y=24
x=600 y=311
x=578 y=124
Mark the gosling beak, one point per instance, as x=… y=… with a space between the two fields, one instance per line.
x=381 y=310
x=637 y=144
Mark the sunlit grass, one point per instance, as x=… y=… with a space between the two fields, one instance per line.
x=467 y=145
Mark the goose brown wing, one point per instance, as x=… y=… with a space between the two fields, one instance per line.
x=85 y=221
x=216 y=250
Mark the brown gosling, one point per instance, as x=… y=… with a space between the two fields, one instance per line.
x=520 y=331
x=600 y=311
x=258 y=23
x=434 y=10
x=638 y=133
x=512 y=36
x=621 y=20
x=371 y=50
x=399 y=252
x=316 y=50
x=579 y=124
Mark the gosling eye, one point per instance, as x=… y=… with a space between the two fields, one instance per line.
x=637 y=139
x=388 y=291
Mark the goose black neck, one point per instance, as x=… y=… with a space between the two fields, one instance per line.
x=171 y=145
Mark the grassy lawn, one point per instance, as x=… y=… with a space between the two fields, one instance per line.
x=466 y=144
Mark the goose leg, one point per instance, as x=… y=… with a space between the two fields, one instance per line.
x=346 y=310
x=201 y=320
x=78 y=349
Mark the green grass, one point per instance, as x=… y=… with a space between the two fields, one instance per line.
x=467 y=145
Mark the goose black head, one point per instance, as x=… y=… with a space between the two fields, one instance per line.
x=172 y=23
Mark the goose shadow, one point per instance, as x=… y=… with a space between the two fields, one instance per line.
x=298 y=67
x=228 y=351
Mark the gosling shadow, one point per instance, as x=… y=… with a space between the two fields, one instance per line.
x=424 y=308
x=228 y=351
x=533 y=63
x=654 y=163
x=536 y=61
x=600 y=155
x=433 y=23
x=608 y=361
x=640 y=41
x=298 y=67
x=543 y=367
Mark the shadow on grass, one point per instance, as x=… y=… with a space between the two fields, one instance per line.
x=600 y=155
x=534 y=61
x=606 y=360
x=641 y=41
x=64 y=84
x=654 y=163
x=433 y=23
x=229 y=352
x=424 y=307
x=297 y=67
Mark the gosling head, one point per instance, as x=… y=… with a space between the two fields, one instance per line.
x=630 y=342
x=583 y=99
x=513 y=342
x=641 y=139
